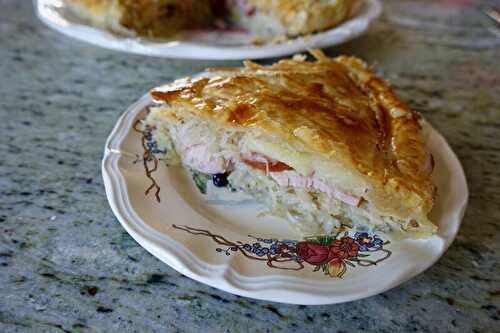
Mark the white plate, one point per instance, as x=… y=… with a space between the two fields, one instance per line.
x=203 y=45
x=195 y=238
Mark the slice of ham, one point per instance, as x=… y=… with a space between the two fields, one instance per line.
x=223 y=7
x=246 y=7
x=285 y=176
x=198 y=157
x=264 y=163
x=313 y=183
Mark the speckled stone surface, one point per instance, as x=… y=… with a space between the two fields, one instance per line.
x=66 y=264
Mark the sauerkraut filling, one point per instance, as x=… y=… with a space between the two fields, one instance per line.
x=312 y=205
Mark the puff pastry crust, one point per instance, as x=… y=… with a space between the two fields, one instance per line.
x=334 y=108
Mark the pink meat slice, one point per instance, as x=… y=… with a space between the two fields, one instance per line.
x=247 y=8
x=198 y=158
x=313 y=183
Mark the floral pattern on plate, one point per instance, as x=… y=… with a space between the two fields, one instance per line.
x=332 y=254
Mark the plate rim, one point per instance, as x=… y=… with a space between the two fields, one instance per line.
x=188 y=50
x=291 y=290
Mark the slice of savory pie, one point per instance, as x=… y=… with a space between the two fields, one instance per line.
x=152 y=18
x=323 y=143
x=162 y=18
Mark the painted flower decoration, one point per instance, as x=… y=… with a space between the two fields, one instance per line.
x=331 y=254
x=330 y=257
x=314 y=254
x=338 y=249
x=365 y=241
x=343 y=248
x=337 y=268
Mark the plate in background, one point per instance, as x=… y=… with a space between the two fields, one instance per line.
x=215 y=45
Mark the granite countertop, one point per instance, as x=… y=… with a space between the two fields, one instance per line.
x=66 y=264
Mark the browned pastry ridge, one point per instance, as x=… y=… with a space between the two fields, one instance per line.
x=335 y=108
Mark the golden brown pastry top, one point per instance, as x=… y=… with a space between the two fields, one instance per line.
x=333 y=107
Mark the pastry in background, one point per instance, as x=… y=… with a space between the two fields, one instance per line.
x=165 y=18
